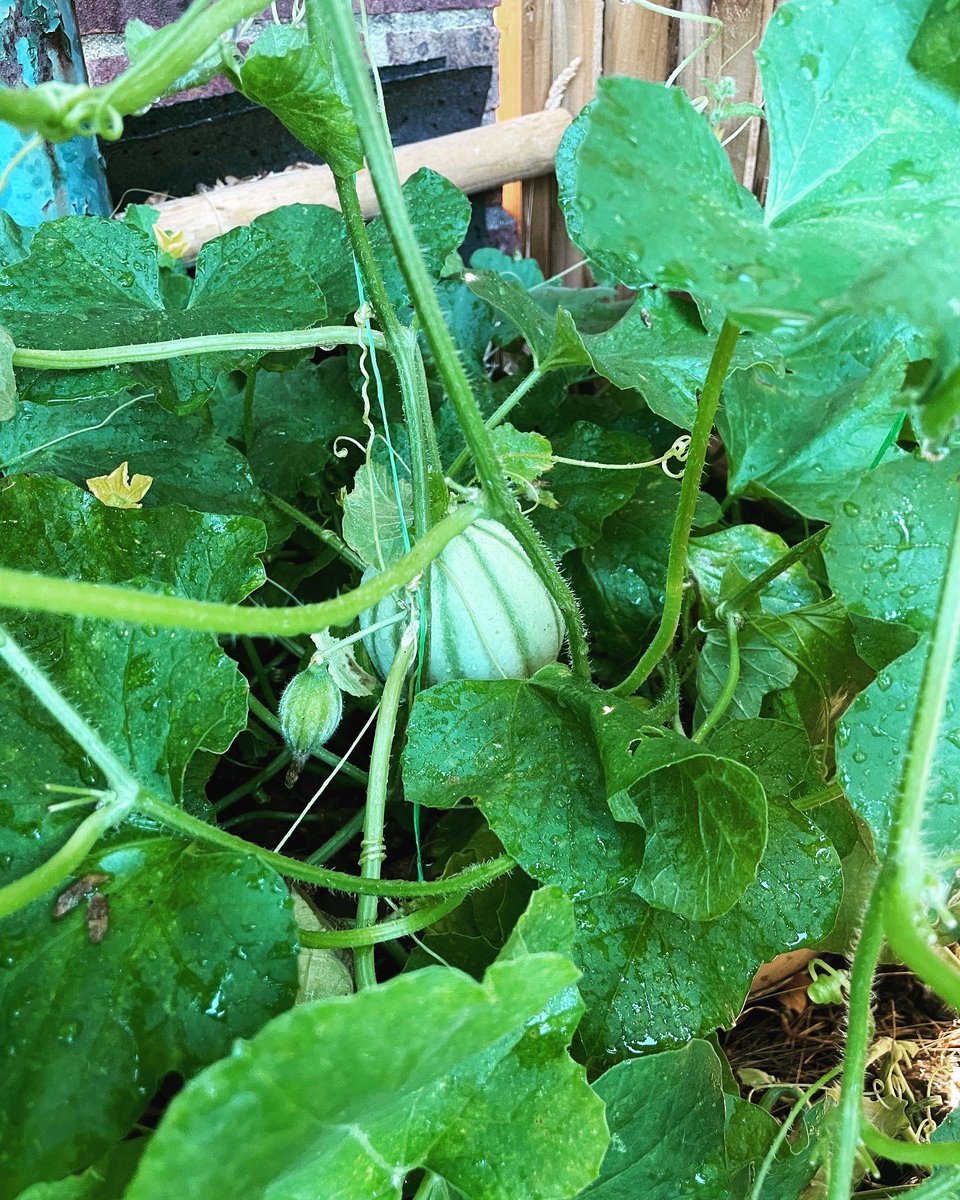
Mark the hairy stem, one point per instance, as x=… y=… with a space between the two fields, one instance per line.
x=337 y=881
x=44 y=593
x=386 y=182
x=372 y=851
x=686 y=506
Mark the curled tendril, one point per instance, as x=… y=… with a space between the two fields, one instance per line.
x=59 y=111
x=92 y=115
x=342 y=444
x=679 y=451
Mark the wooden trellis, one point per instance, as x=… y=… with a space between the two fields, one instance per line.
x=575 y=41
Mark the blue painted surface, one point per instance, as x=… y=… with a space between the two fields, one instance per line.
x=40 y=43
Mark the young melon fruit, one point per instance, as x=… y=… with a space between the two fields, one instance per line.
x=490 y=615
x=310 y=710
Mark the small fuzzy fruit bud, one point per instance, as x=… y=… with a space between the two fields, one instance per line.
x=310 y=710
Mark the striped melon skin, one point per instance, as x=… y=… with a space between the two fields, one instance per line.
x=490 y=615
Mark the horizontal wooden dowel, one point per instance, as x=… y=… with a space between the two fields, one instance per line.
x=476 y=160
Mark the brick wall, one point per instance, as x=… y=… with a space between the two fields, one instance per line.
x=452 y=34
x=437 y=60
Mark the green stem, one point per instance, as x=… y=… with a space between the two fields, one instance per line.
x=736 y=602
x=859 y=1024
x=262 y=713
x=249 y=388
x=337 y=881
x=259 y=671
x=372 y=850
x=383 y=170
x=270 y=814
x=45 y=593
x=519 y=392
x=833 y=791
x=214 y=343
x=387 y=931
x=908 y=930
x=416 y=404
x=722 y=702
x=129 y=794
x=686 y=507
x=756 y=1192
x=917 y=1154
x=58 y=867
x=328 y=536
x=343 y=837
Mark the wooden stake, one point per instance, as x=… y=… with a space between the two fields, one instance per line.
x=475 y=160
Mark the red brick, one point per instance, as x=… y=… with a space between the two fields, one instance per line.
x=111 y=16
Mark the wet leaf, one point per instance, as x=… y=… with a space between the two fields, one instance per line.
x=453 y=1057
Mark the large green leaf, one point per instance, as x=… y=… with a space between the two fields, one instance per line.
x=156 y=696
x=705 y=819
x=199 y=947
x=807 y=437
x=781 y=756
x=286 y=72
x=649 y=976
x=498 y=742
x=188 y=462
x=933 y=309
x=872 y=748
x=90 y=282
x=660 y=347
x=417 y=1073
x=886 y=552
x=316 y=239
x=662 y=350
x=512 y=1099
x=666 y=1117
x=651 y=196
